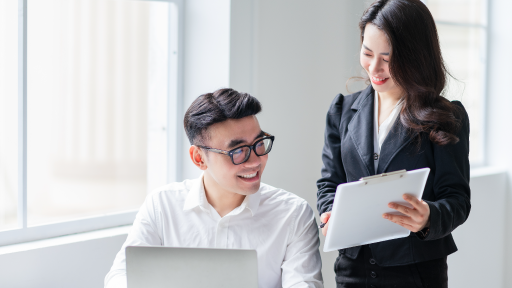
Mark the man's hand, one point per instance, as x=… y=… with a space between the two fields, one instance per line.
x=415 y=218
x=324 y=218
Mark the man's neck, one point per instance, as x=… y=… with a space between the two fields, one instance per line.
x=221 y=200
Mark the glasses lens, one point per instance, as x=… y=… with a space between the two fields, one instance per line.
x=263 y=146
x=240 y=154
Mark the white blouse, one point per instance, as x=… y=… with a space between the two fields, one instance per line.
x=380 y=133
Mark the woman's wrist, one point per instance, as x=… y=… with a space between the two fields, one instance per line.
x=423 y=233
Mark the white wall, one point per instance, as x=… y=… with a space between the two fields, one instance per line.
x=77 y=264
x=299 y=57
x=303 y=54
x=480 y=261
x=207 y=53
x=499 y=116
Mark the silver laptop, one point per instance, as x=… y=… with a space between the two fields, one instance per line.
x=158 y=267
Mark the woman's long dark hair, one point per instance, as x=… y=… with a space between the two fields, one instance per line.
x=416 y=65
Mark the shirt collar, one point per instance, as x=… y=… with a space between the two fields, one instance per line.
x=197 y=197
x=253 y=201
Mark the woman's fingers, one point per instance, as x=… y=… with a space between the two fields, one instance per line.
x=324 y=218
x=411 y=212
x=324 y=230
x=404 y=221
x=414 y=218
x=416 y=203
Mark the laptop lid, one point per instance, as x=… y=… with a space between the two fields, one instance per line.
x=158 y=267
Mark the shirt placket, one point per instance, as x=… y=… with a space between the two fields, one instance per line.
x=221 y=234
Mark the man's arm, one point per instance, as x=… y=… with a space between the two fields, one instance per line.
x=143 y=233
x=302 y=264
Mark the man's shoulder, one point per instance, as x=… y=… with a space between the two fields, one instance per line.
x=173 y=191
x=273 y=196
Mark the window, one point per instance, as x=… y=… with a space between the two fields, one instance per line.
x=91 y=122
x=462 y=29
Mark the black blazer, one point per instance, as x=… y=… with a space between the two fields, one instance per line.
x=348 y=155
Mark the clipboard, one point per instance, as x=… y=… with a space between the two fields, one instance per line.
x=356 y=217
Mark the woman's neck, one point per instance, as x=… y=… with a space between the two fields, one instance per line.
x=386 y=101
x=390 y=96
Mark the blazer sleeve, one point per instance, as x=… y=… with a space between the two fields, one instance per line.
x=333 y=172
x=451 y=183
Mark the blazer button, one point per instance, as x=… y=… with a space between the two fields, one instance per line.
x=372 y=261
x=375 y=156
x=373 y=274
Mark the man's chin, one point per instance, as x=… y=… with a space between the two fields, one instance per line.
x=249 y=189
x=250 y=185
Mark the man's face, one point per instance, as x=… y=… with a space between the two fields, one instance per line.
x=241 y=179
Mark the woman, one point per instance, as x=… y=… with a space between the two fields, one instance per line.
x=400 y=121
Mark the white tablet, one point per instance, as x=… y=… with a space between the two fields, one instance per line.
x=357 y=210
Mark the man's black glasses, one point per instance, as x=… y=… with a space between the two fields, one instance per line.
x=241 y=154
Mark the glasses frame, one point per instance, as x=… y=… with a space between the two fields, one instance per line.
x=252 y=148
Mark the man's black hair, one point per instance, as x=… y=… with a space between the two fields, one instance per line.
x=216 y=107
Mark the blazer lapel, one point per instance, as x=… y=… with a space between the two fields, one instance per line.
x=360 y=128
x=397 y=138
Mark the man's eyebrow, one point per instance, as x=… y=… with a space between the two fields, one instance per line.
x=260 y=135
x=236 y=142
x=385 y=53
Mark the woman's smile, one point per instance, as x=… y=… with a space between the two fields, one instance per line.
x=378 y=81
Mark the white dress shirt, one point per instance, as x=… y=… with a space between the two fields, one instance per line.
x=380 y=132
x=279 y=225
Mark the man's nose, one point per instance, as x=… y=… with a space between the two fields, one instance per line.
x=254 y=160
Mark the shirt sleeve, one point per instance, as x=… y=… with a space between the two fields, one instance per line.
x=333 y=172
x=144 y=232
x=302 y=264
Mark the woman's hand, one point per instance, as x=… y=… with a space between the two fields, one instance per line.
x=415 y=218
x=324 y=218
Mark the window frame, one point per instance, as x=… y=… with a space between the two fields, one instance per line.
x=24 y=233
x=484 y=76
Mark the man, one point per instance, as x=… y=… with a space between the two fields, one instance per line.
x=228 y=206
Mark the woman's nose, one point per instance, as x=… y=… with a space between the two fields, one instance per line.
x=375 y=67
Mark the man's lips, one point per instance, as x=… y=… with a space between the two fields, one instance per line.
x=250 y=177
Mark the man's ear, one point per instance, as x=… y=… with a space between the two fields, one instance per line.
x=197 y=156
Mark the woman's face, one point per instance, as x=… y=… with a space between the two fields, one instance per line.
x=374 y=58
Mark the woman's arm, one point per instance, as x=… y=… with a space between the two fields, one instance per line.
x=451 y=183
x=333 y=172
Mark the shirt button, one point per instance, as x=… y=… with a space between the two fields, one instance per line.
x=372 y=261
x=375 y=156
x=373 y=274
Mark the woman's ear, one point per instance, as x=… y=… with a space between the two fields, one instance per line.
x=197 y=156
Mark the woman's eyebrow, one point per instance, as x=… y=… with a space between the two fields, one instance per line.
x=384 y=53
x=367 y=48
